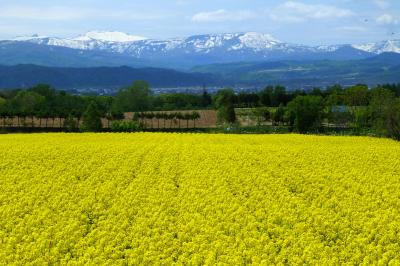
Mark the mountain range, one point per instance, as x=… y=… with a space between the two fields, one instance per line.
x=380 y=69
x=113 y=59
x=182 y=53
x=97 y=78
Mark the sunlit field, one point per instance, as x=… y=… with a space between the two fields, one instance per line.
x=125 y=199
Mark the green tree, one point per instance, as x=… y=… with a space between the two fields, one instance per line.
x=224 y=102
x=206 y=99
x=266 y=96
x=180 y=117
x=261 y=114
x=71 y=124
x=134 y=98
x=335 y=96
x=393 y=119
x=150 y=116
x=92 y=119
x=380 y=104
x=308 y=112
x=278 y=117
x=52 y=104
x=3 y=110
x=27 y=103
x=355 y=97
x=195 y=116
x=273 y=96
x=384 y=111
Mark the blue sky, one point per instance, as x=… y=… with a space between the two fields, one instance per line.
x=296 y=21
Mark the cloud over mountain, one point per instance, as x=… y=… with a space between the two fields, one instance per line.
x=292 y=11
x=223 y=15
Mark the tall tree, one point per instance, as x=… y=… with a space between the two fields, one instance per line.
x=27 y=103
x=134 y=98
x=225 y=106
x=206 y=99
x=356 y=99
x=195 y=115
x=279 y=113
x=266 y=96
x=393 y=119
x=3 y=110
x=380 y=103
x=356 y=96
x=307 y=112
x=92 y=118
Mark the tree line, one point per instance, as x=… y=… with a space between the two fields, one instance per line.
x=44 y=106
x=357 y=107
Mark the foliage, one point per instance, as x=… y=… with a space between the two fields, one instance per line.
x=393 y=119
x=356 y=96
x=71 y=124
x=125 y=126
x=3 y=105
x=92 y=119
x=27 y=103
x=194 y=199
x=274 y=96
x=278 y=115
x=380 y=105
x=133 y=98
x=357 y=108
x=181 y=101
x=224 y=102
x=307 y=113
x=171 y=116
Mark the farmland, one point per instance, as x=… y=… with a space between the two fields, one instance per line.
x=152 y=198
x=208 y=119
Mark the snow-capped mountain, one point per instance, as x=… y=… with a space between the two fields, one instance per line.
x=109 y=36
x=92 y=40
x=125 y=43
x=209 y=48
x=137 y=45
x=390 y=46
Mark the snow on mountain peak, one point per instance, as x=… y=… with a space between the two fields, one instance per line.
x=109 y=36
x=244 y=45
x=258 y=40
x=380 y=47
x=259 y=36
x=233 y=41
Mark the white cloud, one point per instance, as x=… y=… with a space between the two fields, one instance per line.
x=223 y=15
x=382 y=4
x=292 y=11
x=387 y=19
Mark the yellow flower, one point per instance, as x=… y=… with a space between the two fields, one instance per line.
x=198 y=199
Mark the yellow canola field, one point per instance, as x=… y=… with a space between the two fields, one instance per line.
x=193 y=199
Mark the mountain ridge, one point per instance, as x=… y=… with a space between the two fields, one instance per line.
x=384 y=68
x=100 y=78
x=210 y=48
x=254 y=40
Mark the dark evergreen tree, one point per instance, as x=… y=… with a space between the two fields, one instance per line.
x=92 y=119
x=206 y=99
x=224 y=101
x=308 y=112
